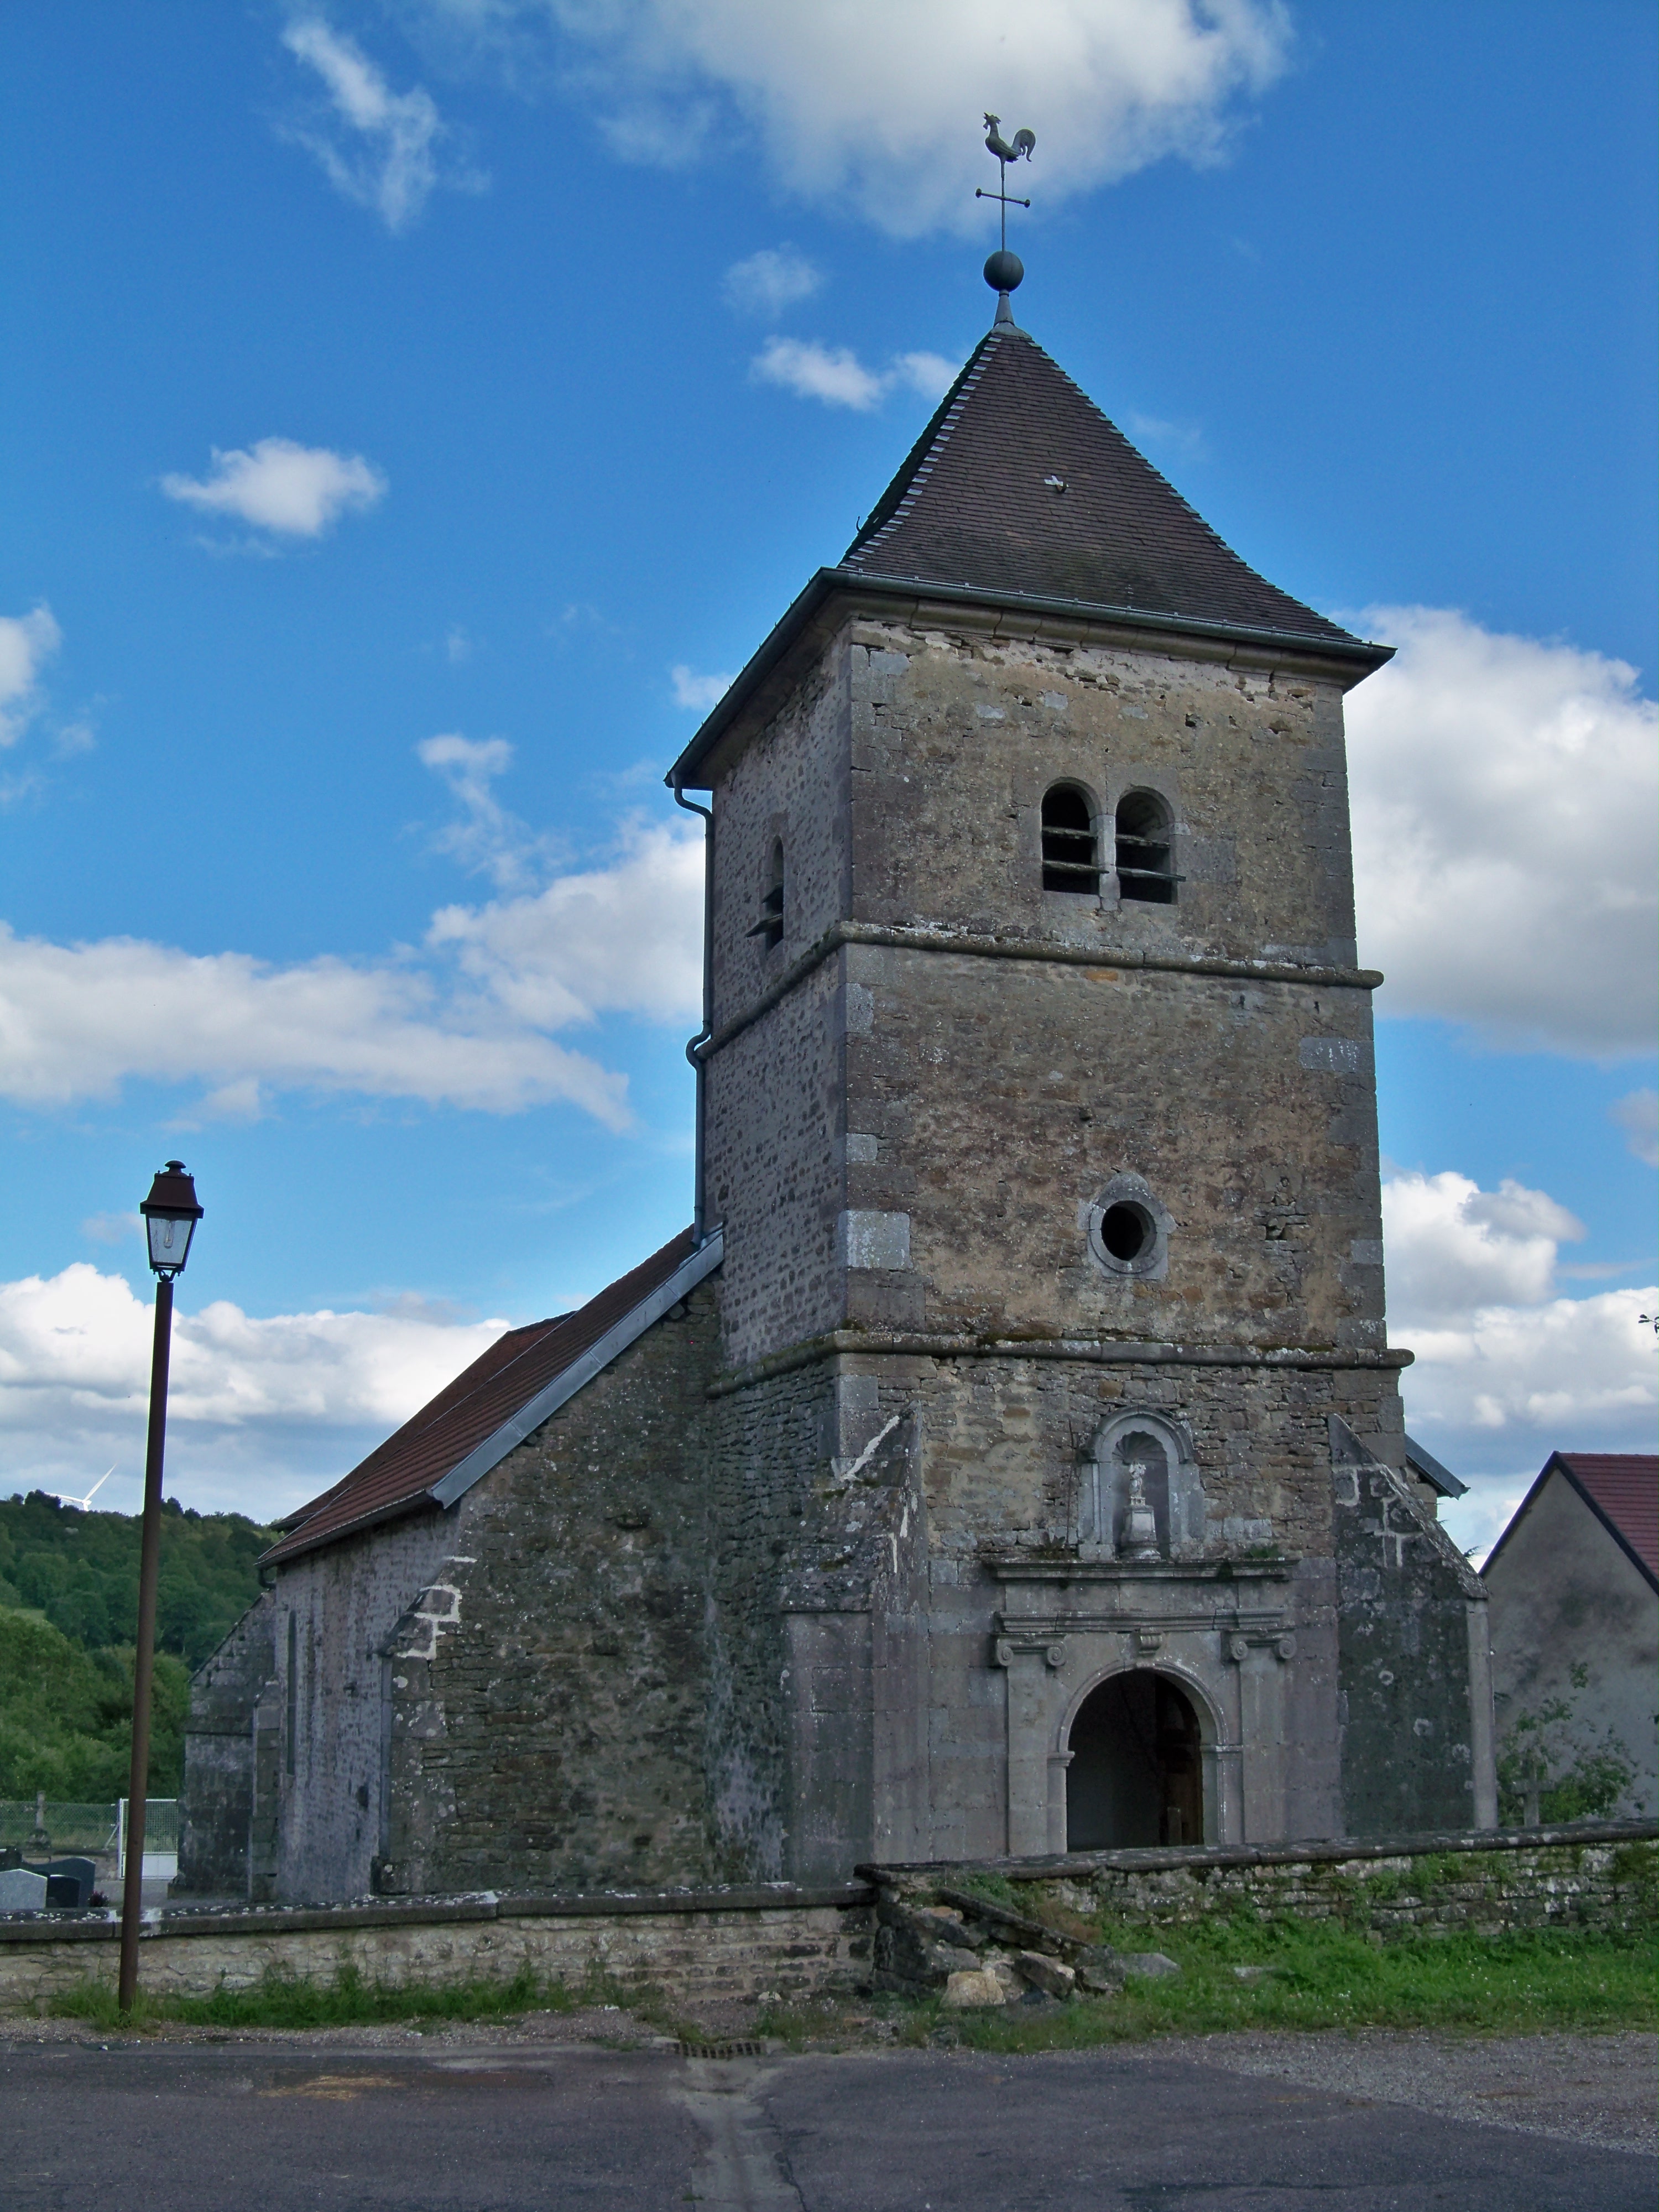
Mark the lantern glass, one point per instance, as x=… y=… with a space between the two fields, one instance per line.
x=171 y=1213
x=169 y=1240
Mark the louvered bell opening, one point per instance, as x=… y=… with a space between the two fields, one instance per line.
x=1071 y=854
x=1144 y=870
x=769 y=927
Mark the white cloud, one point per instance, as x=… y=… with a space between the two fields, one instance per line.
x=1452 y=1246
x=378 y=147
x=929 y=374
x=699 y=693
x=1185 y=438
x=292 y=1399
x=625 y=938
x=836 y=376
x=465 y=1024
x=833 y=375
x=1506 y=799
x=770 y=280
x=1506 y=1370
x=1637 y=1115
x=78 y=1021
x=487 y=836
x=27 y=641
x=111 y=1228
x=298 y=491
x=874 y=103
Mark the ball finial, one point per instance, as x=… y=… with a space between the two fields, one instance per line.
x=1004 y=271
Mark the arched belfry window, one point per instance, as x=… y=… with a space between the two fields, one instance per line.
x=1071 y=852
x=1146 y=866
x=769 y=927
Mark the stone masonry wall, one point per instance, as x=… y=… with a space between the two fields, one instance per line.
x=774 y=1169
x=322 y=1728
x=957 y=733
x=1002 y=1094
x=220 y=1757
x=1416 y=1886
x=549 y=1713
x=681 y=1948
x=1416 y=1706
x=790 y=785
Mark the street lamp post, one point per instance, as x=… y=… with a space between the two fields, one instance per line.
x=171 y=1214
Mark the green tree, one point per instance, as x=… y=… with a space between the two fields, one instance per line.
x=1548 y=1752
x=66 y=1715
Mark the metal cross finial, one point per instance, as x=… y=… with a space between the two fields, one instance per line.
x=1023 y=145
x=1004 y=271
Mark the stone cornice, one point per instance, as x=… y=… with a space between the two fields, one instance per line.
x=1041 y=1567
x=1043 y=952
x=833 y=597
x=1091 y=1352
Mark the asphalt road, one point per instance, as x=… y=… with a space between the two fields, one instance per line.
x=237 y=2127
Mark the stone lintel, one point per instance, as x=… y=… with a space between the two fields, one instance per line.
x=1013 y=1567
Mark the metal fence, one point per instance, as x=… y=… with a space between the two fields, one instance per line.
x=89 y=1831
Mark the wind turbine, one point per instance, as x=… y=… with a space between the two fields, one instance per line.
x=82 y=1504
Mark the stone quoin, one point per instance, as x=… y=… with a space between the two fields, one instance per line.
x=1010 y=1458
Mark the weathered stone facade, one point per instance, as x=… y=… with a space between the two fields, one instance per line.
x=830 y=1563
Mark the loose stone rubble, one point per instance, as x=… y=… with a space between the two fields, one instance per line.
x=980 y=1954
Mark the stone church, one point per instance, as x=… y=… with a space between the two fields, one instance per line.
x=1009 y=1458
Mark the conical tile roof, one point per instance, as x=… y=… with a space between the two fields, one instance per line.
x=1020 y=496
x=1020 y=487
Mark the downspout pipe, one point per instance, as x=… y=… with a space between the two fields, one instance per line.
x=693 y=1049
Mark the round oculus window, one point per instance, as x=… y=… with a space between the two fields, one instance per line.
x=1130 y=1230
x=1127 y=1231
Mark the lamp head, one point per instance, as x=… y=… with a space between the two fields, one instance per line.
x=171 y=1214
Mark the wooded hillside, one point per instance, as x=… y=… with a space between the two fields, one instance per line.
x=69 y=1603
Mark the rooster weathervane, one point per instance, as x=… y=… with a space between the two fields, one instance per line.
x=1004 y=271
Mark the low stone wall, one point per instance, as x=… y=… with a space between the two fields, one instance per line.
x=712 y=1943
x=1486 y=1883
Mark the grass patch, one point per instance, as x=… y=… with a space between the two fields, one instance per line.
x=347 y=2001
x=1323 y=1977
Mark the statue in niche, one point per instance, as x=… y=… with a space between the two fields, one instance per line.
x=1123 y=1503
x=1140 y=1527
x=1141 y=1497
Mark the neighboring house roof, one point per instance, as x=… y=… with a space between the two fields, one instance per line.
x=494 y=1404
x=1427 y=1469
x=973 y=515
x=1621 y=1489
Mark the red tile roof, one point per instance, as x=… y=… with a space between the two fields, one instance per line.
x=400 y=1475
x=1624 y=1487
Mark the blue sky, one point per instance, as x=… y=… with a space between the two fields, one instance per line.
x=1373 y=286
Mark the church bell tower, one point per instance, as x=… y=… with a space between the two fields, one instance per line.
x=1059 y=1440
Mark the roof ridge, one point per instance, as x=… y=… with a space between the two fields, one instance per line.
x=448 y=1432
x=919 y=461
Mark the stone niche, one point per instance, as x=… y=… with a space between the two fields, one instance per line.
x=1108 y=1523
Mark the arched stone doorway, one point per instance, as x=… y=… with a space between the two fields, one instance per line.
x=1136 y=1773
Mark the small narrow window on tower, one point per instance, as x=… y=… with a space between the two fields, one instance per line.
x=769 y=927
x=1144 y=868
x=1071 y=853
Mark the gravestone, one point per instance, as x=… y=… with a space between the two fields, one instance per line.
x=22 y=1891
